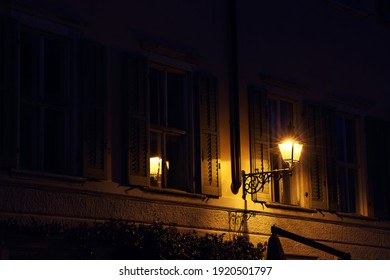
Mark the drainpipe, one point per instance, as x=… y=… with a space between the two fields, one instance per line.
x=234 y=115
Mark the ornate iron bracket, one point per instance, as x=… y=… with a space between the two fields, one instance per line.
x=254 y=182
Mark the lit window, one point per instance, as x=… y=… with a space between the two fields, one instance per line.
x=172 y=128
x=271 y=119
x=169 y=162
x=281 y=121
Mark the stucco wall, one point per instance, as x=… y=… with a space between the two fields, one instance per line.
x=362 y=238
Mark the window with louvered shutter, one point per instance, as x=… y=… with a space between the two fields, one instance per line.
x=333 y=158
x=209 y=140
x=8 y=92
x=270 y=120
x=94 y=94
x=348 y=161
x=330 y=157
x=378 y=165
x=315 y=148
x=137 y=119
x=259 y=138
x=46 y=102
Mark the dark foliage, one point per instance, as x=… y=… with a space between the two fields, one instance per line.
x=122 y=240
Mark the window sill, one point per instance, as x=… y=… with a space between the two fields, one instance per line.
x=26 y=174
x=289 y=207
x=356 y=216
x=173 y=192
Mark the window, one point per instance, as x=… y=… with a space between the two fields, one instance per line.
x=331 y=162
x=384 y=10
x=172 y=131
x=377 y=132
x=52 y=114
x=169 y=128
x=94 y=88
x=271 y=119
x=8 y=92
x=334 y=167
x=281 y=122
x=346 y=134
x=45 y=102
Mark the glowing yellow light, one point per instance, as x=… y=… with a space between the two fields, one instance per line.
x=156 y=164
x=291 y=151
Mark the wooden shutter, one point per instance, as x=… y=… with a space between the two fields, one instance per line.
x=206 y=92
x=94 y=96
x=137 y=119
x=378 y=165
x=316 y=153
x=330 y=143
x=8 y=92
x=322 y=147
x=259 y=138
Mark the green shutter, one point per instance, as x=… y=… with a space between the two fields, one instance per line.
x=8 y=92
x=94 y=88
x=316 y=156
x=209 y=140
x=137 y=119
x=259 y=138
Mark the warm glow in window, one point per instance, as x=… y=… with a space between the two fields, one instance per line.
x=155 y=166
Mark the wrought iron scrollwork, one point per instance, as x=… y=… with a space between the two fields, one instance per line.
x=254 y=182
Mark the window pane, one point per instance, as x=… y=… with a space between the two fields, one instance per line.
x=156 y=88
x=286 y=117
x=55 y=158
x=352 y=185
x=347 y=185
x=176 y=101
x=280 y=120
x=29 y=67
x=156 y=156
x=177 y=156
x=29 y=141
x=54 y=69
x=273 y=121
x=340 y=138
x=350 y=133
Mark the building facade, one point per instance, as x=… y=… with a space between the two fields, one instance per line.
x=152 y=110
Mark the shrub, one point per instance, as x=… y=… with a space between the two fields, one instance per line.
x=123 y=240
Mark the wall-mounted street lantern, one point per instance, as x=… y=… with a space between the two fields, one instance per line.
x=254 y=182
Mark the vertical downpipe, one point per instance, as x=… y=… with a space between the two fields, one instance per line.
x=234 y=99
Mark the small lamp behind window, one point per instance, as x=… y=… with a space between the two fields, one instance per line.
x=155 y=170
x=155 y=166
